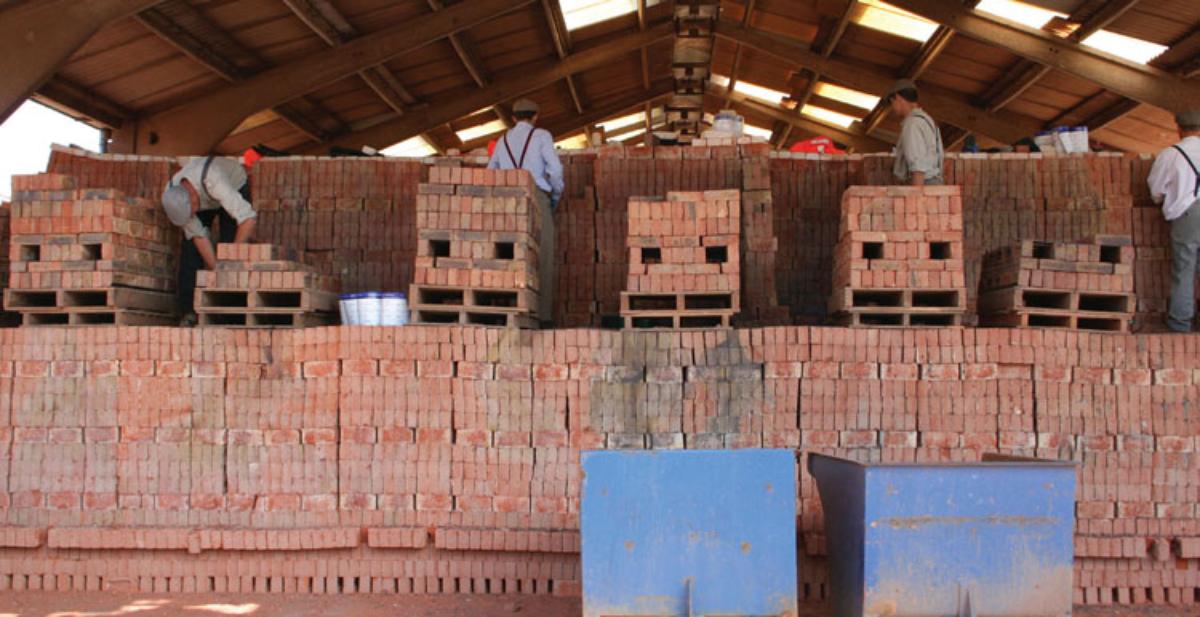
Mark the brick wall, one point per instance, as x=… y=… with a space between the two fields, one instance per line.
x=445 y=459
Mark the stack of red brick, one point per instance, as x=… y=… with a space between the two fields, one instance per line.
x=807 y=190
x=263 y=285
x=88 y=256
x=477 y=260
x=1086 y=286
x=353 y=218
x=6 y=318
x=684 y=261
x=899 y=261
x=623 y=173
x=446 y=458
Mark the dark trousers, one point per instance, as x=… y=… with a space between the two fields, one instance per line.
x=189 y=259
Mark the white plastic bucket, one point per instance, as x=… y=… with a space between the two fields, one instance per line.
x=369 y=309
x=394 y=309
x=348 y=306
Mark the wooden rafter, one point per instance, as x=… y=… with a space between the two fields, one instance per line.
x=1025 y=73
x=513 y=83
x=826 y=48
x=945 y=105
x=562 y=44
x=598 y=113
x=184 y=27
x=1145 y=84
x=916 y=66
x=74 y=100
x=747 y=13
x=328 y=23
x=858 y=141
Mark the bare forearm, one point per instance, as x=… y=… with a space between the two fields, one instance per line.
x=245 y=231
x=205 y=248
x=918 y=178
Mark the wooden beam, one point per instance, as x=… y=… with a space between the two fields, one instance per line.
x=39 y=36
x=1144 y=84
x=826 y=49
x=184 y=27
x=1110 y=12
x=198 y=125
x=562 y=45
x=916 y=67
x=78 y=102
x=1024 y=74
x=602 y=111
x=1020 y=78
x=1111 y=114
x=328 y=23
x=464 y=51
x=860 y=142
x=747 y=12
x=946 y=106
x=514 y=83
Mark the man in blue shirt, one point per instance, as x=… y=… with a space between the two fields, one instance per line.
x=532 y=149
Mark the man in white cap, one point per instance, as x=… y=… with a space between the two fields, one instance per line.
x=532 y=149
x=1175 y=183
x=205 y=189
x=920 y=154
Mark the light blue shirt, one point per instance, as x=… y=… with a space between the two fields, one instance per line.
x=541 y=160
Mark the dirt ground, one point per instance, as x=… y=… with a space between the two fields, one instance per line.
x=50 y=604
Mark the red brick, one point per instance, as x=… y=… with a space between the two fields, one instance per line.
x=1172 y=377
x=899 y=372
x=317 y=369
x=552 y=372
x=940 y=372
x=1061 y=374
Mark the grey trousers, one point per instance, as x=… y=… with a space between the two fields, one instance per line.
x=547 y=262
x=1185 y=245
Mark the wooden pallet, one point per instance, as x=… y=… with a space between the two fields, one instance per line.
x=469 y=298
x=685 y=320
x=113 y=298
x=208 y=299
x=1059 y=319
x=911 y=300
x=899 y=318
x=97 y=317
x=500 y=318
x=264 y=319
x=680 y=302
x=1013 y=299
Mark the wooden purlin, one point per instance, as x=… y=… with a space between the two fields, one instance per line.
x=695 y=24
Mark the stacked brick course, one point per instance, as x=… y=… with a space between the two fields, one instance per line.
x=478 y=248
x=263 y=285
x=899 y=261
x=445 y=459
x=88 y=256
x=1060 y=285
x=684 y=260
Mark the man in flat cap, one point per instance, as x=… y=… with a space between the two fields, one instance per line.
x=919 y=153
x=532 y=149
x=1175 y=183
x=205 y=189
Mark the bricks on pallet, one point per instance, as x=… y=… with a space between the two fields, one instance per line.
x=1086 y=286
x=479 y=248
x=263 y=285
x=684 y=260
x=899 y=261
x=88 y=255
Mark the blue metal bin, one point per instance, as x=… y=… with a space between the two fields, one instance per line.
x=992 y=538
x=689 y=533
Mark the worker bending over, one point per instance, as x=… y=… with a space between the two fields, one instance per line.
x=919 y=154
x=532 y=149
x=1175 y=183
x=205 y=189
